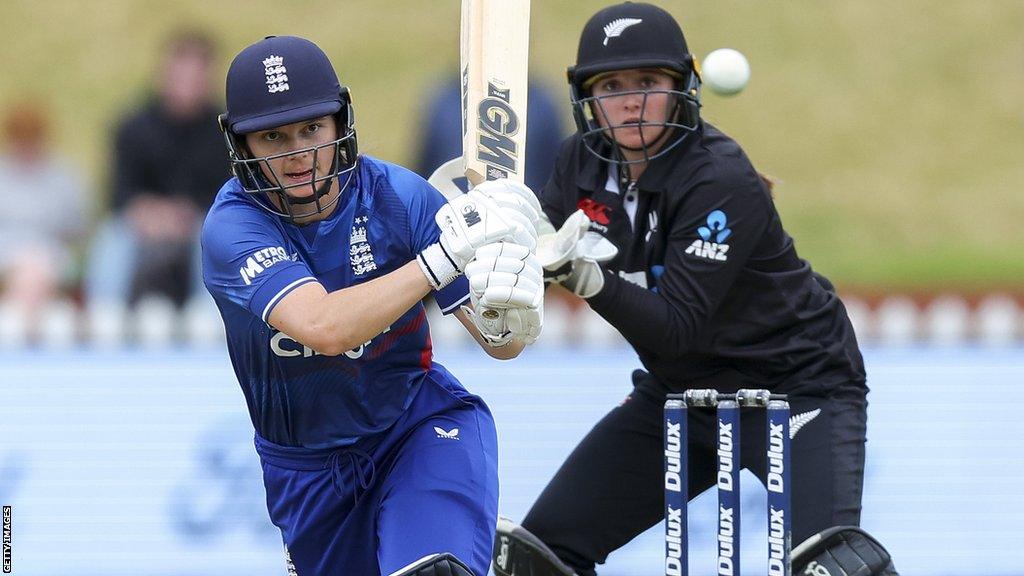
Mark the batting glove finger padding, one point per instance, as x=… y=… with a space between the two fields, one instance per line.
x=523 y=231
x=505 y=257
x=506 y=284
x=505 y=275
x=504 y=290
x=514 y=202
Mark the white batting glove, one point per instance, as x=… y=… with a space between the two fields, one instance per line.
x=517 y=197
x=506 y=275
x=499 y=327
x=507 y=294
x=572 y=256
x=467 y=223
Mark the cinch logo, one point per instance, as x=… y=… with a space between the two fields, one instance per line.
x=260 y=261
x=284 y=346
x=711 y=244
x=498 y=122
x=596 y=211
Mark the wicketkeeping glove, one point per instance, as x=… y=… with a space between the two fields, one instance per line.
x=572 y=256
x=507 y=293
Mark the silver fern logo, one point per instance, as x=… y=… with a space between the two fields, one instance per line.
x=615 y=28
x=798 y=421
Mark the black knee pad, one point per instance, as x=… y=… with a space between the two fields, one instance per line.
x=519 y=553
x=842 y=551
x=435 y=565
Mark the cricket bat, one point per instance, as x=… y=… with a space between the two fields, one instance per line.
x=494 y=49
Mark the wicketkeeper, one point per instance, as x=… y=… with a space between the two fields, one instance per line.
x=668 y=232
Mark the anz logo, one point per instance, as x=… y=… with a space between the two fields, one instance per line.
x=284 y=346
x=711 y=245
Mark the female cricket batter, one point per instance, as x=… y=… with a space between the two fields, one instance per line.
x=706 y=286
x=375 y=459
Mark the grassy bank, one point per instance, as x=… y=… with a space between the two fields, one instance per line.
x=896 y=128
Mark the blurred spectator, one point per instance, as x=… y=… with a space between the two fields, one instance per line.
x=441 y=134
x=42 y=213
x=168 y=164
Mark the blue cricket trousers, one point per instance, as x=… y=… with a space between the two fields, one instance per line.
x=427 y=484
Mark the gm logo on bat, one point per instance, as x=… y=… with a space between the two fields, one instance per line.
x=497 y=123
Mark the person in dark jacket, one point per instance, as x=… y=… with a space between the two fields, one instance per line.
x=707 y=287
x=150 y=242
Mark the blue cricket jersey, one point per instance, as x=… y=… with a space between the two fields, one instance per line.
x=253 y=258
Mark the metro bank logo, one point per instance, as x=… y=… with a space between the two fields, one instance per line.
x=261 y=260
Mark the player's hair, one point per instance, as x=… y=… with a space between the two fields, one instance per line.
x=769 y=182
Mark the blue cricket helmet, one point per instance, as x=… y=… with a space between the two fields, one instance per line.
x=280 y=80
x=277 y=81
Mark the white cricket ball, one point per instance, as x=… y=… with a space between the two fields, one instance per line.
x=725 y=71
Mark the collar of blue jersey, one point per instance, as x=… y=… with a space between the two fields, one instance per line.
x=593 y=172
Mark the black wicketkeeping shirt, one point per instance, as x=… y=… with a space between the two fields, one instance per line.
x=707 y=286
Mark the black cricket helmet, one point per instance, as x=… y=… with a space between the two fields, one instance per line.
x=277 y=81
x=634 y=35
